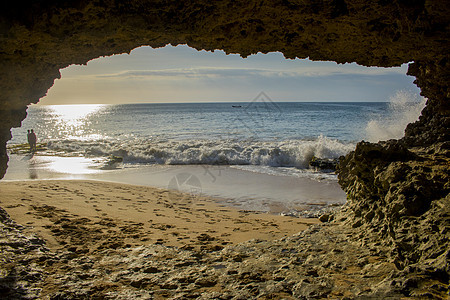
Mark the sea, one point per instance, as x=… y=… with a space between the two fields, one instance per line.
x=251 y=155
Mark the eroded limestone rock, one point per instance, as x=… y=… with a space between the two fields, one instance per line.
x=21 y=258
x=402 y=196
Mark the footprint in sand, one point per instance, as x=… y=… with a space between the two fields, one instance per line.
x=14 y=206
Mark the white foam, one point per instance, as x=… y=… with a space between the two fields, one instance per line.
x=404 y=108
x=289 y=153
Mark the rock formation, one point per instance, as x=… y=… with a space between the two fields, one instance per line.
x=397 y=190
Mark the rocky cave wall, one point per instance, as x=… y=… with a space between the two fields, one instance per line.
x=391 y=186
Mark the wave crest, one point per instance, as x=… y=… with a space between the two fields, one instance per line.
x=289 y=153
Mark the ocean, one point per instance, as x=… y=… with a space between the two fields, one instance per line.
x=223 y=147
x=274 y=134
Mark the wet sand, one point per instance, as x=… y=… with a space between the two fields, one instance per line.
x=236 y=187
x=89 y=216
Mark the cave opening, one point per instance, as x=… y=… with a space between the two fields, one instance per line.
x=208 y=114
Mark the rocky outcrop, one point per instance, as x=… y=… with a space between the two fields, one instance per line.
x=20 y=256
x=401 y=196
x=434 y=122
x=397 y=190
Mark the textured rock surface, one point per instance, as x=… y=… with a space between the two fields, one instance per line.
x=401 y=196
x=20 y=257
x=397 y=190
x=323 y=261
x=333 y=260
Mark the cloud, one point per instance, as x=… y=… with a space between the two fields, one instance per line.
x=186 y=72
x=220 y=72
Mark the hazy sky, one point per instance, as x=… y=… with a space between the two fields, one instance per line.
x=183 y=74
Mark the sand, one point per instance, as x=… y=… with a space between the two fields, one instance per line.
x=95 y=215
x=118 y=241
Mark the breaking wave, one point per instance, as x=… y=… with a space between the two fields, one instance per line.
x=289 y=153
x=404 y=108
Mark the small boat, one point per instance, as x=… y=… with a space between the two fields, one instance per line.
x=236 y=106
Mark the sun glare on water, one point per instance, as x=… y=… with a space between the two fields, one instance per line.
x=72 y=120
x=74 y=114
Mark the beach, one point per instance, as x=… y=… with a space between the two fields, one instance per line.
x=223 y=210
x=305 y=194
x=90 y=215
x=86 y=239
x=74 y=238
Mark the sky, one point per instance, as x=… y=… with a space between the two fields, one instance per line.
x=182 y=74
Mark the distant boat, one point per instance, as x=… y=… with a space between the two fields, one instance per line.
x=236 y=106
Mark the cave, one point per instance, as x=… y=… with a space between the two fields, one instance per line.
x=397 y=189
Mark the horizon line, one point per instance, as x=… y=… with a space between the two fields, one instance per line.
x=213 y=102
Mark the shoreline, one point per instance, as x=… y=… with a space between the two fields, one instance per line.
x=236 y=187
x=134 y=215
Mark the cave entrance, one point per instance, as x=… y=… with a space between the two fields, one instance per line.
x=214 y=124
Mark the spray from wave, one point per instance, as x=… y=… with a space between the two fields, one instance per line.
x=404 y=108
x=288 y=153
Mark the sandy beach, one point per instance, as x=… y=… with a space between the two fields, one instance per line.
x=309 y=194
x=86 y=239
x=93 y=215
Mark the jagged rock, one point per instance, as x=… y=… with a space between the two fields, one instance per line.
x=323 y=164
x=403 y=197
x=20 y=255
x=326 y=218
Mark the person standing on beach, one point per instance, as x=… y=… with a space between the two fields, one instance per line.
x=29 y=139
x=32 y=139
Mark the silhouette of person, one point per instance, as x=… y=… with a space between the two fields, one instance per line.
x=29 y=139
x=32 y=139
